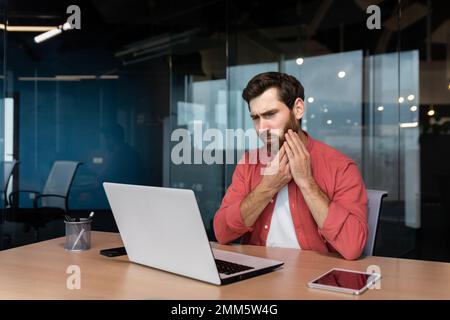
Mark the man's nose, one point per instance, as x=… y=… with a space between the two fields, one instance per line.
x=264 y=125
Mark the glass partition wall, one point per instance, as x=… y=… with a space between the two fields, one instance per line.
x=139 y=81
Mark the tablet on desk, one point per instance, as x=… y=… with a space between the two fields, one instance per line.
x=346 y=281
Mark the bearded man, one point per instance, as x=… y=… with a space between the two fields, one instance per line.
x=314 y=200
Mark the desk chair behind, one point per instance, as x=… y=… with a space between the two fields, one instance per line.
x=375 y=198
x=8 y=169
x=51 y=203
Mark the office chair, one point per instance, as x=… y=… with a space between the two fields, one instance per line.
x=8 y=169
x=51 y=203
x=375 y=198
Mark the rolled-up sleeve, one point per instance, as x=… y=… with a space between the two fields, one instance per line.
x=345 y=227
x=228 y=222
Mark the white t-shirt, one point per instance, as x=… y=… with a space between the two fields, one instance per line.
x=282 y=232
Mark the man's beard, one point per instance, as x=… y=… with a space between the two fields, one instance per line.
x=292 y=124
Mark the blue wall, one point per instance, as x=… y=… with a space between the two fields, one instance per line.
x=63 y=121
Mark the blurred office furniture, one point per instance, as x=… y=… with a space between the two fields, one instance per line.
x=8 y=169
x=50 y=204
x=374 y=201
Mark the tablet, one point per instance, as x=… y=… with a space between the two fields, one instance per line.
x=346 y=281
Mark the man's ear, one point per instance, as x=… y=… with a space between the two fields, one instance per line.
x=299 y=108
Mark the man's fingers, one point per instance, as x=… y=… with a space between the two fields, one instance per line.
x=283 y=158
x=291 y=143
x=294 y=140
x=284 y=161
x=282 y=153
x=279 y=157
x=288 y=168
x=301 y=145
x=288 y=173
x=289 y=151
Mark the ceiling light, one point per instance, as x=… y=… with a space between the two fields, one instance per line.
x=52 y=33
x=299 y=61
x=66 y=26
x=37 y=79
x=69 y=77
x=47 y=35
x=26 y=28
x=75 y=77
x=409 y=125
x=109 y=77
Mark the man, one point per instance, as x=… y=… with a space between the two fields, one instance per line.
x=315 y=200
x=119 y=168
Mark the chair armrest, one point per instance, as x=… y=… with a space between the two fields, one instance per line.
x=36 y=199
x=18 y=192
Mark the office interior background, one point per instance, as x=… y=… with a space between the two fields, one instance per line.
x=100 y=103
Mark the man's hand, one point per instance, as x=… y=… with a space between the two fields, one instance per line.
x=277 y=174
x=299 y=160
x=300 y=164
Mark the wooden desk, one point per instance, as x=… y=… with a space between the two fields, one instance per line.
x=38 y=271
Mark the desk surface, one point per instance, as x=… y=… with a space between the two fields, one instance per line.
x=38 y=271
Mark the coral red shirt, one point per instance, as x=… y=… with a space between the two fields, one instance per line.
x=345 y=228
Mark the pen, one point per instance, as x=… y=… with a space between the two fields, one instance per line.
x=78 y=239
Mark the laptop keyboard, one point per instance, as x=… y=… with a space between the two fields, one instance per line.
x=230 y=267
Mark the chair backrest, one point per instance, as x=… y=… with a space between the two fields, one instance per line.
x=375 y=198
x=59 y=182
x=8 y=169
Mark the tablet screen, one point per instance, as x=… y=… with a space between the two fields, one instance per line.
x=344 y=279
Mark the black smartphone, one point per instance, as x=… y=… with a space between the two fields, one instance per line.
x=114 y=252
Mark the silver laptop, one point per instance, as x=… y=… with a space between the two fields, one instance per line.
x=162 y=228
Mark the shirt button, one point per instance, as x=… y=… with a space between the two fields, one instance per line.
x=271 y=201
x=266 y=226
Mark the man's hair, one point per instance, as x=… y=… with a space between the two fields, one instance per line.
x=288 y=87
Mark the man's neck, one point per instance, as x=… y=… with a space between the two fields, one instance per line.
x=303 y=137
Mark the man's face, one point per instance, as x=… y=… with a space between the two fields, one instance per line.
x=272 y=118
